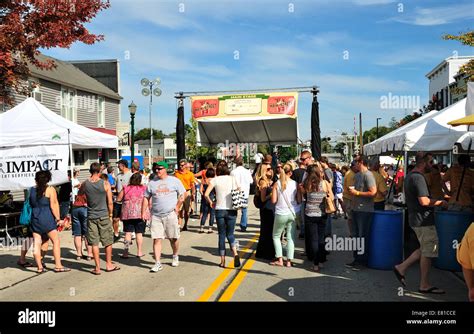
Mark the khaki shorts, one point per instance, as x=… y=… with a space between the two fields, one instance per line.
x=428 y=239
x=186 y=204
x=100 y=230
x=165 y=227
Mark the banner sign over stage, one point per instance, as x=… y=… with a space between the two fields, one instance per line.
x=18 y=165
x=245 y=105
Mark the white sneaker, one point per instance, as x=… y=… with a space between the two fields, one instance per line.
x=175 y=261
x=156 y=268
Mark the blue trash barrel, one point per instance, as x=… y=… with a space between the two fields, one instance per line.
x=450 y=225
x=386 y=240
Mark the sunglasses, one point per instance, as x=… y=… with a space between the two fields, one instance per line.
x=269 y=168
x=161 y=168
x=303 y=159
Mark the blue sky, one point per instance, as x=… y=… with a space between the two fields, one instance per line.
x=356 y=51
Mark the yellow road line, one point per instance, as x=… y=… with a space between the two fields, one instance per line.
x=221 y=278
x=229 y=293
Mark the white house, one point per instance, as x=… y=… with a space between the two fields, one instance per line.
x=442 y=76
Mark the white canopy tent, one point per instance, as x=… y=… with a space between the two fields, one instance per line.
x=31 y=123
x=430 y=132
x=32 y=138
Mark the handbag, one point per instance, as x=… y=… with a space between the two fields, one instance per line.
x=238 y=197
x=328 y=200
x=25 y=217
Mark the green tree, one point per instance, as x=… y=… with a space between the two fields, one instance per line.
x=468 y=68
x=193 y=151
x=144 y=134
x=326 y=146
x=287 y=153
x=371 y=135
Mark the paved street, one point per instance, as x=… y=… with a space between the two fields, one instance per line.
x=199 y=278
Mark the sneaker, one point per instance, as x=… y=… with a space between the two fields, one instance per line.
x=156 y=268
x=353 y=264
x=175 y=261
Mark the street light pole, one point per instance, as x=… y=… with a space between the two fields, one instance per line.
x=148 y=90
x=377 y=133
x=132 y=108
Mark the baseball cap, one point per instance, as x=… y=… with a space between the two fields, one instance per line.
x=161 y=164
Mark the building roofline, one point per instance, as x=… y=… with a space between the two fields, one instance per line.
x=445 y=61
x=92 y=61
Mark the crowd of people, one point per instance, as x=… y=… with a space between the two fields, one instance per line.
x=305 y=194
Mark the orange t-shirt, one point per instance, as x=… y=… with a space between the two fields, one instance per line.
x=186 y=178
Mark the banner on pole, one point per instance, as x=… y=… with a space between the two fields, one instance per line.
x=18 y=165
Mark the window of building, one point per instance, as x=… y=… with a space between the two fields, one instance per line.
x=101 y=112
x=35 y=91
x=68 y=104
x=79 y=158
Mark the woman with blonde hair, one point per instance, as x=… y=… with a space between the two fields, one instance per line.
x=286 y=198
x=315 y=190
x=264 y=177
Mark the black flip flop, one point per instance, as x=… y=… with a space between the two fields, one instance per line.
x=433 y=290
x=25 y=265
x=400 y=277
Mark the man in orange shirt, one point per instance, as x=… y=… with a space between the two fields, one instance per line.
x=187 y=179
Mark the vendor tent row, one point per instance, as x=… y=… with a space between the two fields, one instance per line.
x=429 y=132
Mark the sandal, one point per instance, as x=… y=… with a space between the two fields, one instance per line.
x=400 y=277
x=95 y=272
x=24 y=265
x=433 y=290
x=40 y=271
x=276 y=263
x=113 y=269
x=61 y=270
x=222 y=265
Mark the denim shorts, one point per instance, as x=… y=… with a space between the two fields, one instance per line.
x=79 y=221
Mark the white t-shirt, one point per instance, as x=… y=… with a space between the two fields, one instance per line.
x=75 y=183
x=258 y=158
x=281 y=207
x=223 y=185
x=244 y=178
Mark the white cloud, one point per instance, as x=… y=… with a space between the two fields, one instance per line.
x=372 y=2
x=436 y=15
x=412 y=55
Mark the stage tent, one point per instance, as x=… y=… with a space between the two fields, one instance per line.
x=429 y=132
x=267 y=118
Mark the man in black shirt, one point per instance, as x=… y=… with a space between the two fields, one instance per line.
x=421 y=220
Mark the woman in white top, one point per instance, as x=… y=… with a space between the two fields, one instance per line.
x=286 y=197
x=225 y=214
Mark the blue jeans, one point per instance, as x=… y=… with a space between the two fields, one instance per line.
x=315 y=228
x=225 y=226
x=206 y=210
x=361 y=223
x=243 y=219
x=328 y=228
